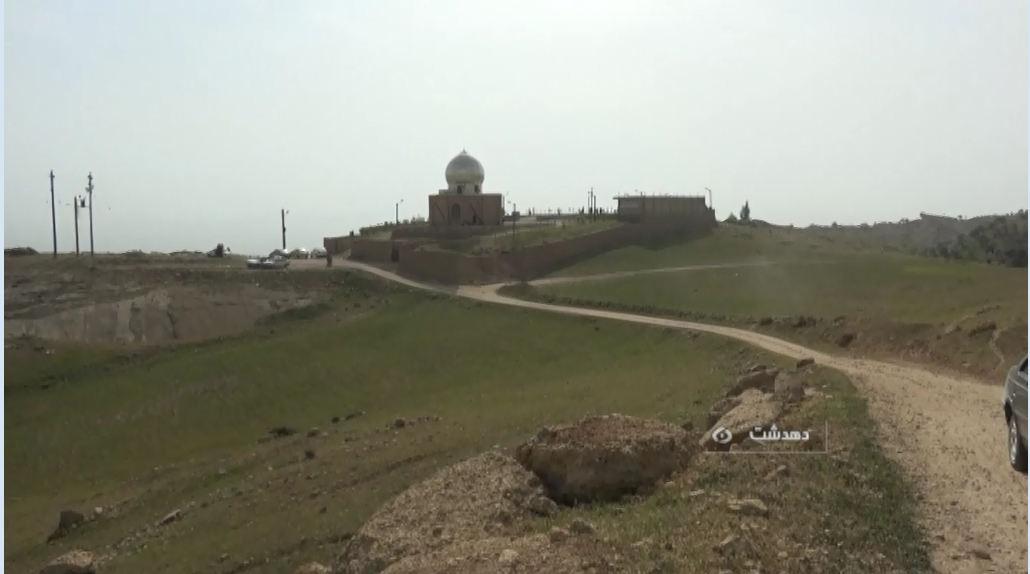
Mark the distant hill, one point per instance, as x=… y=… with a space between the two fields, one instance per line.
x=1002 y=240
x=996 y=239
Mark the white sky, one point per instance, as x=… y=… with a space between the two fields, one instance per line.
x=200 y=120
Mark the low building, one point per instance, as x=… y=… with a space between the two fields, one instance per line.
x=463 y=203
x=641 y=208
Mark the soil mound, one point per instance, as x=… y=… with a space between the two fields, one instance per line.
x=479 y=498
x=604 y=458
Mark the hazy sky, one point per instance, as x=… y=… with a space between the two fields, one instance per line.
x=200 y=120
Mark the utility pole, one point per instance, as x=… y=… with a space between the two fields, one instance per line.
x=282 y=215
x=514 y=220
x=89 y=191
x=397 y=212
x=53 y=211
x=76 y=209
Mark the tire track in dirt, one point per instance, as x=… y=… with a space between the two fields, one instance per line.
x=992 y=343
x=947 y=433
x=621 y=274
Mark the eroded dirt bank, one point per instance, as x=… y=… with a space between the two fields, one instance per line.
x=152 y=305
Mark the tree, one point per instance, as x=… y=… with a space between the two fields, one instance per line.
x=745 y=212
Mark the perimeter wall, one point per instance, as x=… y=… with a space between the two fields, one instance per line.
x=416 y=260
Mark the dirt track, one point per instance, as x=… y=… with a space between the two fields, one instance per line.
x=947 y=433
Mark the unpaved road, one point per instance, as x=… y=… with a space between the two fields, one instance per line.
x=947 y=433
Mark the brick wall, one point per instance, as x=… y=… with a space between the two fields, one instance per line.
x=532 y=262
x=371 y=250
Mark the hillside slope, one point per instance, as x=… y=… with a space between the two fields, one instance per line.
x=1000 y=241
x=997 y=239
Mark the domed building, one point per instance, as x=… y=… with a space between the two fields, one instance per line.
x=464 y=174
x=463 y=202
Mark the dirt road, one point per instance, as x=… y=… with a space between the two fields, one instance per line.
x=947 y=433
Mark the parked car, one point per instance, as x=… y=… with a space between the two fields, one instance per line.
x=318 y=253
x=273 y=261
x=1015 y=414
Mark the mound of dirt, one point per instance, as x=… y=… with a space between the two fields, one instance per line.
x=526 y=555
x=476 y=499
x=605 y=457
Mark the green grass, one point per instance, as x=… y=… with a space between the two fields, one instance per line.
x=898 y=305
x=907 y=289
x=530 y=235
x=527 y=236
x=179 y=429
x=727 y=244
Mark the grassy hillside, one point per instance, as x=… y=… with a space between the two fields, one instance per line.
x=727 y=244
x=1000 y=241
x=891 y=304
x=143 y=434
x=910 y=235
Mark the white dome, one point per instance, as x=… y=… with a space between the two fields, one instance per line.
x=464 y=170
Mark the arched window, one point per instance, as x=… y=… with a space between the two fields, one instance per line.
x=455 y=218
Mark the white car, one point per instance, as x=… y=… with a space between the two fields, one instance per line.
x=273 y=261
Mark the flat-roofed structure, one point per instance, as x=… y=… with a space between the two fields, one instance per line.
x=640 y=208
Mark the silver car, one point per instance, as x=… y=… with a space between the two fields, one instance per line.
x=1015 y=414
